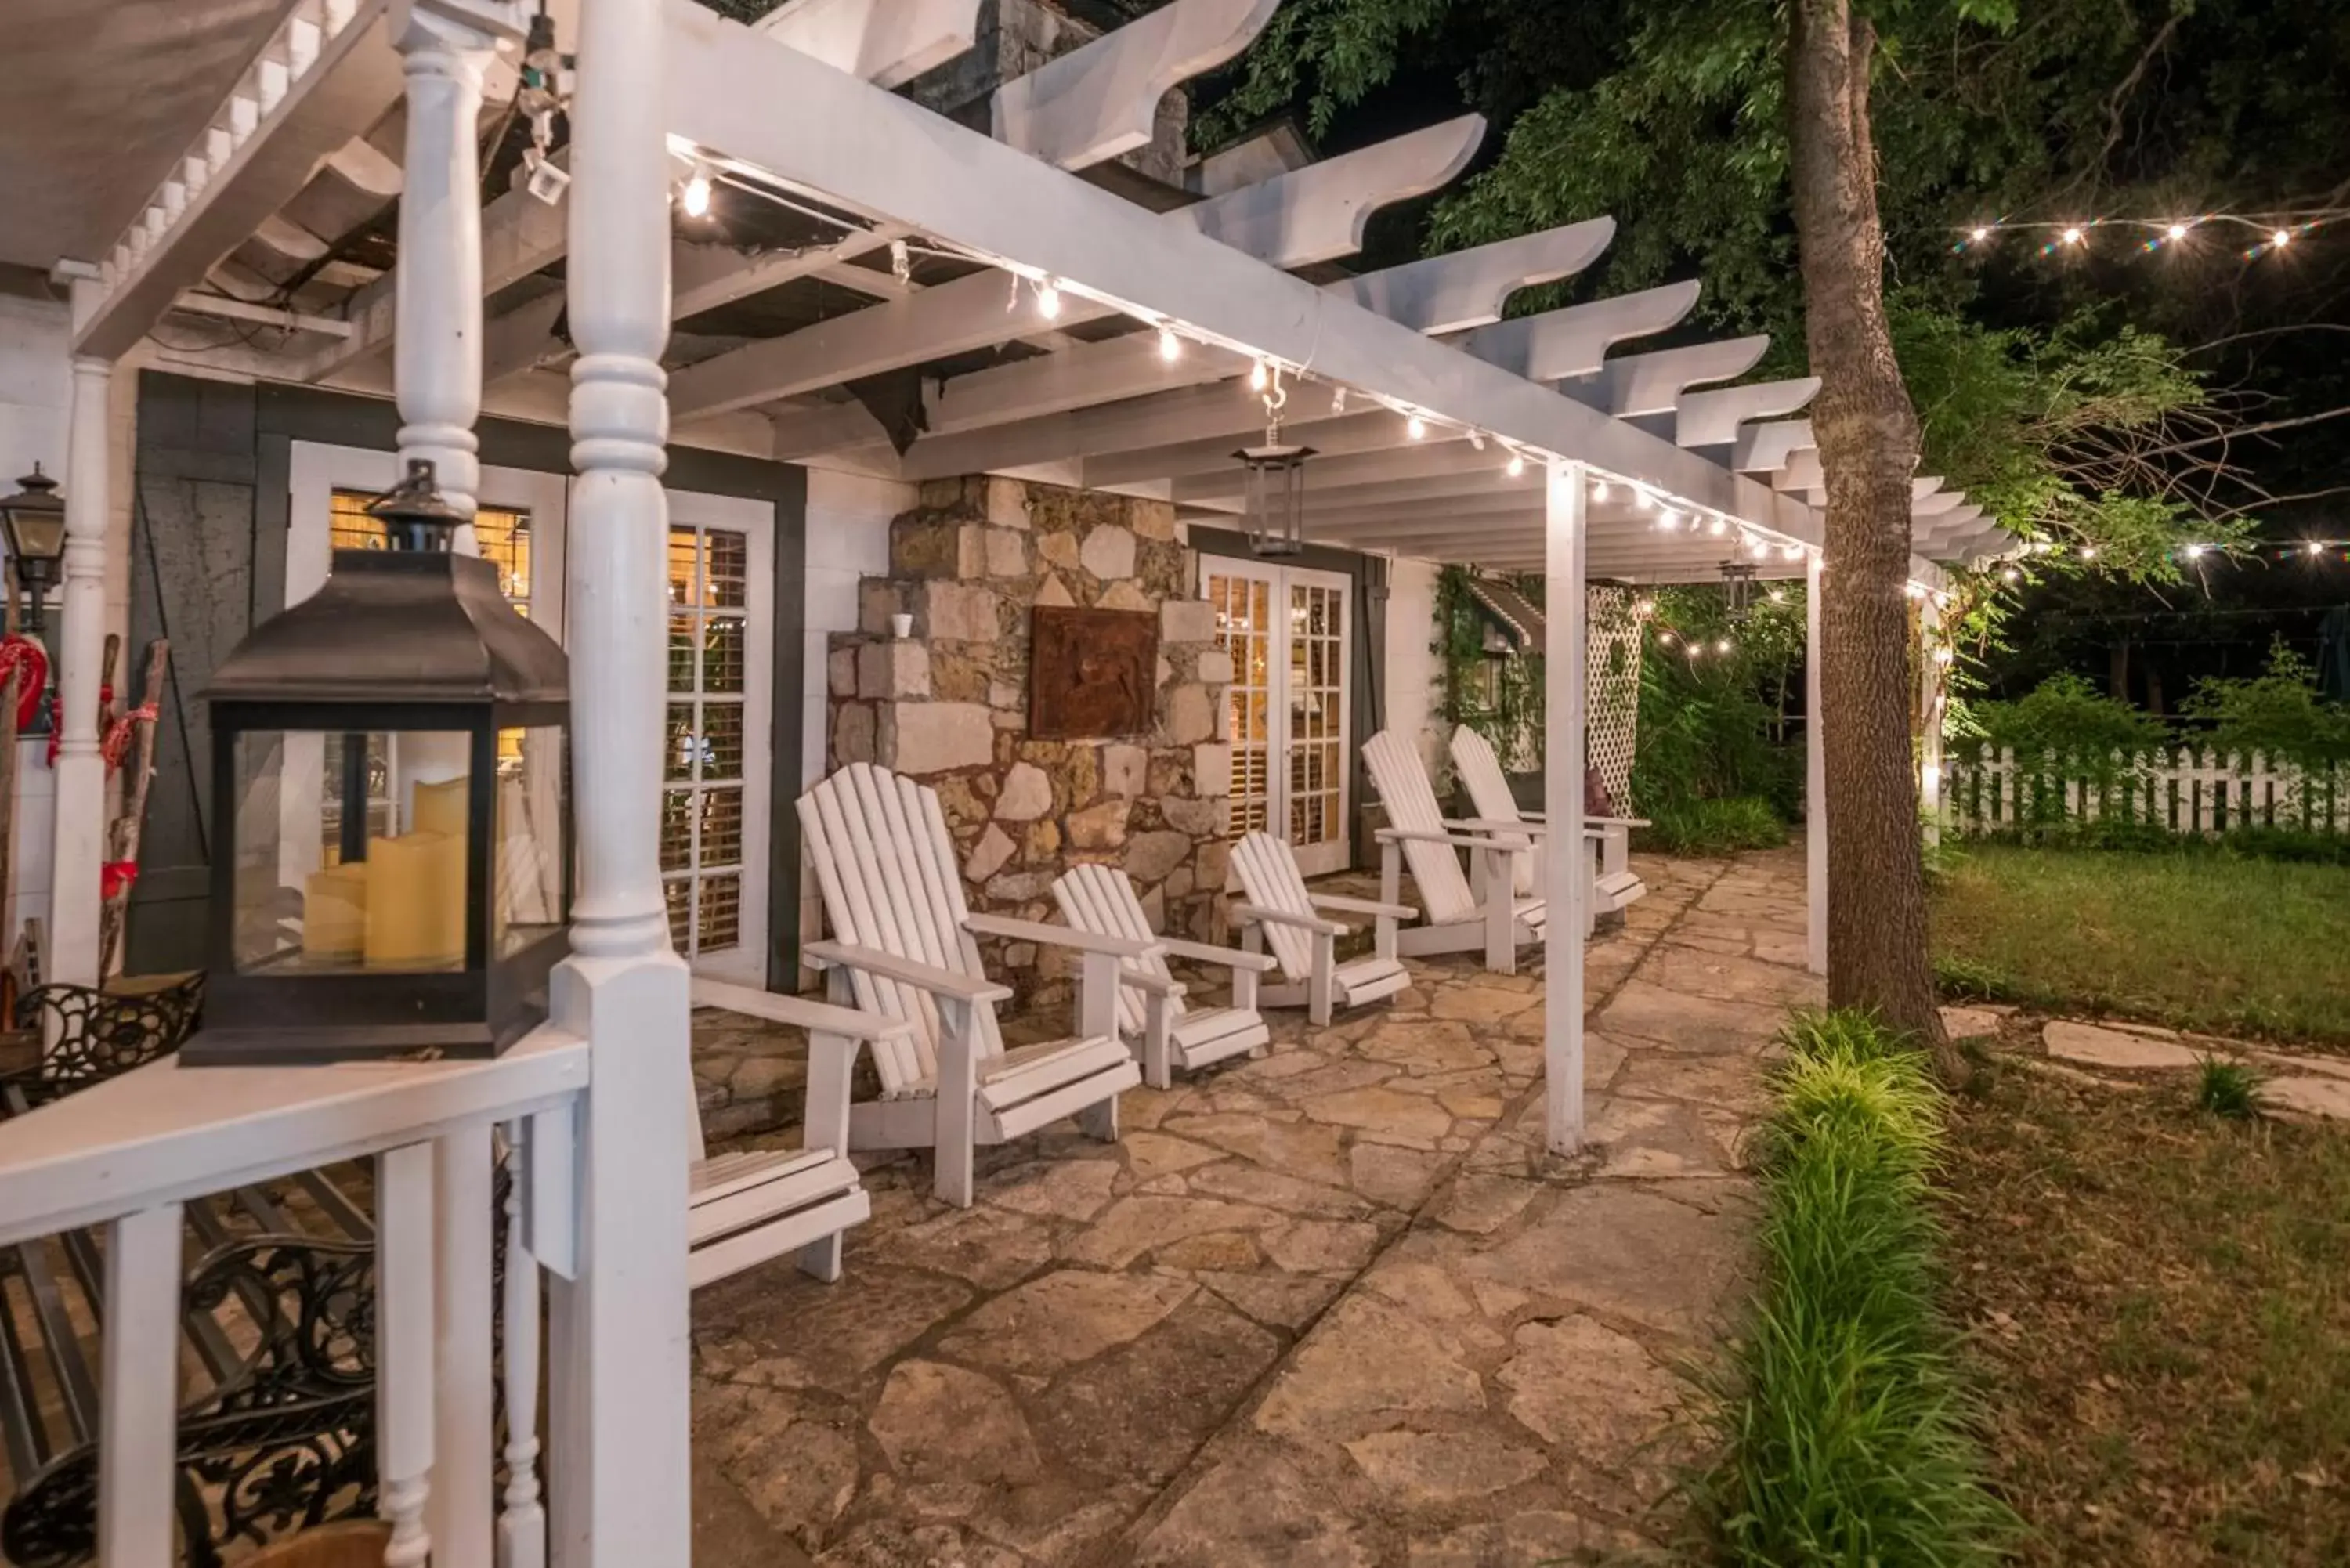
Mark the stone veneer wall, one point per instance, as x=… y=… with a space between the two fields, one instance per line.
x=948 y=705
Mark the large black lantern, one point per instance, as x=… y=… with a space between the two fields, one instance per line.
x=34 y=521
x=391 y=826
x=1275 y=493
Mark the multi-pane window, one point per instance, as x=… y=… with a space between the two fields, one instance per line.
x=703 y=771
x=1317 y=702
x=1245 y=629
x=503 y=535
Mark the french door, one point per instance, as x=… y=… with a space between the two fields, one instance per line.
x=716 y=800
x=1290 y=635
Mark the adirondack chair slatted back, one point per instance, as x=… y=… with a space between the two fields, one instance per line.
x=1099 y=899
x=1489 y=791
x=1270 y=879
x=1402 y=782
x=1481 y=771
x=885 y=865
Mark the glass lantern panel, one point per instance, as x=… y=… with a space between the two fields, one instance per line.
x=526 y=876
x=350 y=851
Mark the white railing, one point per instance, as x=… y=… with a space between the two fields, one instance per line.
x=127 y=1156
x=2192 y=791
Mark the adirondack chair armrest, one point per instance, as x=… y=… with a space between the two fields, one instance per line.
x=1225 y=957
x=1264 y=917
x=1618 y=821
x=907 y=972
x=1535 y=816
x=1360 y=906
x=1532 y=827
x=1056 y=936
x=1150 y=984
x=801 y=1013
x=1458 y=840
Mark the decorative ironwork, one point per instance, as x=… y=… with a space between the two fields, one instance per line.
x=95 y=1034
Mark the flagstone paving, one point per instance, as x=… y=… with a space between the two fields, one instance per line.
x=1333 y=1306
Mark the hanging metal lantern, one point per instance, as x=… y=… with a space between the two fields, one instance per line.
x=1276 y=492
x=1738 y=588
x=391 y=832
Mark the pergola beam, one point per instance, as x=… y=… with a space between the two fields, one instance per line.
x=1574 y=341
x=1712 y=419
x=1453 y=293
x=1653 y=383
x=887 y=42
x=1100 y=101
x=1767 y=447
x=1311 y=214
x=832 y=135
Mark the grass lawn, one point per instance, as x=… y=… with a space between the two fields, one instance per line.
x=2198 y=940
x=2161 y=1302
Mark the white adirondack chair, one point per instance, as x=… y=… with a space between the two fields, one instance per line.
x=904 y=948
x=1166 y=1032
x=1295 y=923
x=745 y=1209
x=1455 y=918
x=1613 y=884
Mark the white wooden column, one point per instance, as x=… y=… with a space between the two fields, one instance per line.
x=1929 y=720
x=1816 y=773
x=138 y=1466
x=1567 y=870
x=444 y=46
x=618 y=1475
x=79 y=828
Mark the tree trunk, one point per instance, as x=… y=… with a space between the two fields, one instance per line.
x=1867 y=435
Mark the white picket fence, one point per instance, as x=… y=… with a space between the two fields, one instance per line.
x=2198 y=791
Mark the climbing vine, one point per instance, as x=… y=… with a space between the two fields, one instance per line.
x=1499 y=696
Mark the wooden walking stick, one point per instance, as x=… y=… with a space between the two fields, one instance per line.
x=134 y=732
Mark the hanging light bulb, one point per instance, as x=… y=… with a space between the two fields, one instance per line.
x=1979 y=233
x=1416 y=428
x=1517 y=465
x=1644 y=608
x=1048 y=300
x=1477 y=439
x=1791 y=552
x=1915 y=590
x=1260 y=376
x=1778 y=595
x=1718 y=526
x=1599 y=491
x=901 y=261
x=1338 y=403
x=2280 y=239
x=1668 y=521
x=2316 y=547
x=1170 y=346
x=2011 y=574
x=697 y=194
x=2088 y=552
x=1723 y=647
x=2073 y=236
x=1647 y=501
x=2177 y=232
x=1757 y=548
x=2195 y=552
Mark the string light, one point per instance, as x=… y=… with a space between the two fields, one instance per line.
x=2280 y=239
x=1945 y=656
x=1338 y=403
x=1416 y=428
x=1915 y=590
x=1718 y=526
x=1170 y=346
x=1517 y=465
x=1777 y=595
x=697 y=194
x=2194 y=552
x=1647 y=501
x=2011 y=574
x=1599 y=491
x=2073 y=236
x=2175 y=233
x=1792 y=552
x=1260 y=376
x=1723 y=647
x=2088 y=552
x=1979 y=233
x=901 y=261
x=1477 y=439
x=2316 y=547
x=1048 y=300
x=1669 y=521
x=1644 y=608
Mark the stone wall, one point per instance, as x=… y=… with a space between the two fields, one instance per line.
x=949 y=704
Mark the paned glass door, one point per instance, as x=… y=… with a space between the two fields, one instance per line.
x=1288 y=632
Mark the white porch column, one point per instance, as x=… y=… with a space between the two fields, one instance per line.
x=1929 y=711
x=1815 y=771
x=79 y=831
x=444 y=46
x=618 y=1471
x=1566 y=869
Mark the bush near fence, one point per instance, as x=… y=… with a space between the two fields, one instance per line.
x=2199 y=792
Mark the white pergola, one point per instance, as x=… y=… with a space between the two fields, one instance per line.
x=1030 y=313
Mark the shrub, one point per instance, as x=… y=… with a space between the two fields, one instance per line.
x=2278 y=712
x=1714 y=827
x=1849 y=1436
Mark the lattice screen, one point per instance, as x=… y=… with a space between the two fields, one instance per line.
x=1612 y=695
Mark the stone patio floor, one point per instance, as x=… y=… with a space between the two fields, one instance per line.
x=1330 y=1308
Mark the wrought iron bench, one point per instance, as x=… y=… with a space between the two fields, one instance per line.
x=275 y=1427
